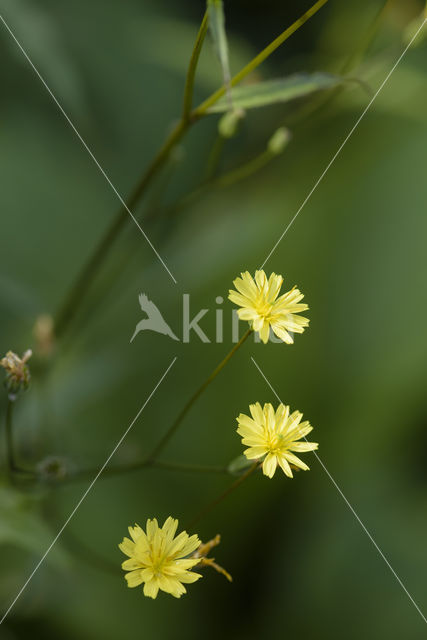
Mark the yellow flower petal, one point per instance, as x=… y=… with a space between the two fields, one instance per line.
x=131 y=564
x=127 y=546
x=269 y=465
x=134 y=578
x=151 y=588
x=158 y=559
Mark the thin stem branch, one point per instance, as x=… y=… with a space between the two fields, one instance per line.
x=259 y=59
x=89 y=271
x=144 y=464
x=214 y=158
x=90 y=556
x=172 y=429
x=191 y=72
x=225 y=180
x=245 y=170
x=189 y=468
x=366 y=40
x=84 y=280
x=211 y=505
x=10 y=456
x=151 y=459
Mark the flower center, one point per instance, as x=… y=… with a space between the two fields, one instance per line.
x=263 y=307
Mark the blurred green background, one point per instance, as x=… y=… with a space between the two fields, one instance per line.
x=302 y=565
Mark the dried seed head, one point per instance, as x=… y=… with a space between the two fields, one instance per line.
x=17 y=372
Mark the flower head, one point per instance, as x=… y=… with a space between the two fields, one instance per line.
x=17 y=371
x=159 y=559
x=273 y=435
x=263 y=309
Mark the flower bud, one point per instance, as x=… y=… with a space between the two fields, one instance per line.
x=44 y=334
x=279 y=141
x=229 y=123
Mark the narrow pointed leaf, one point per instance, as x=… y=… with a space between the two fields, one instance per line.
x=269 y=92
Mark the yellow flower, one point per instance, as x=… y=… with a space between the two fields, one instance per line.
x=263 y=309
x=274 y=435
x=158 y=559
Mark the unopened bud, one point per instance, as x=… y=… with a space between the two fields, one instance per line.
x=229 y=123
x=279 y=141
x=44 y=334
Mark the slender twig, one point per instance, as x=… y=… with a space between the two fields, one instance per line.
x=214 y=158
x=172 y=429
x=151 y=459
x=70 y=306
x=189 y=468
x=144 y=464
x=323 y=99
x=191 y=72
x=10 y=456
x=245 y=170
x=211 y=505
x=366 y=40
x=84 y=280
x=224 y=180
x=90 y=556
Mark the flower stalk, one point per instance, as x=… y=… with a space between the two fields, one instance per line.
x=173 y=428
x=10 y=455
x=214 y=503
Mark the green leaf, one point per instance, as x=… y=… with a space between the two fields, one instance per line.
x=219 y=37
x=239 y=464
x=269 y=92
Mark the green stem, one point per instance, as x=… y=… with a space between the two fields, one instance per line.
x=191 y=73
x=144 y=464
x=211 y=505
x=150 y=460
x=259 y=59
x=188 y=468
x=172 y=429
x=367 y=39
x=214 y=158
x=246 y=170
x=10 y=456
x=225 y=180
x=89 y=556
x=323 y=99
x=83 y=282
